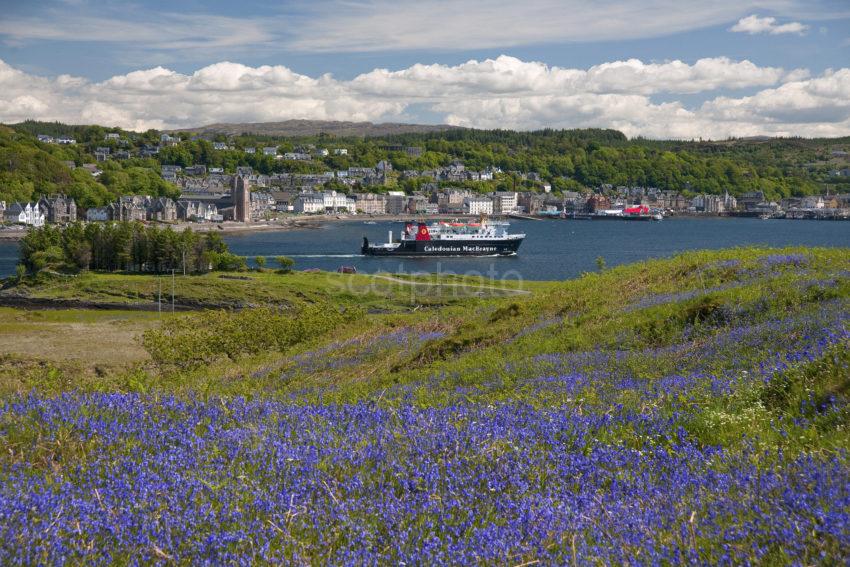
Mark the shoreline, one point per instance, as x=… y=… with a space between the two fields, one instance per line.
x=295 y=222
x=302 y=222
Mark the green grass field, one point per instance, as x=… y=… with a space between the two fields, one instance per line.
x=228 y=290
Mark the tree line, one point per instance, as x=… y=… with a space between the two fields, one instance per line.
x=125 y=246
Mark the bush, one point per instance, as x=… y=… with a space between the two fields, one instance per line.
x=227 y=262
x=285 y=263
x=20 y=272
x=195 y=340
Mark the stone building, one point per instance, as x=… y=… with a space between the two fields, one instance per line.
x=58 y=208
x=241 y=200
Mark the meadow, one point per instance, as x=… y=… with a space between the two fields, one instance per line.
x=685 y=410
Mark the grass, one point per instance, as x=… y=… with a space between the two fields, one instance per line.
x=380 y=292
x=714 y=384
x=96 y=337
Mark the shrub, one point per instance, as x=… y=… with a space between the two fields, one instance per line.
x=227 y=262
x=285 y=263
x=194 y=340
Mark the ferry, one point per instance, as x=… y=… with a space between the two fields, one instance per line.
x=483 y=238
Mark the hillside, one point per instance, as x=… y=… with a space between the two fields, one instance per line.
x=686 y=410
x=30 y=169
x=567 y=160
x=303 y=128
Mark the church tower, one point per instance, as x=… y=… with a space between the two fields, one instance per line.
x=241 y=200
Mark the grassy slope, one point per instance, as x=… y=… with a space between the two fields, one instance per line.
x=629 y=308
x=743 y=349
x=382 y=292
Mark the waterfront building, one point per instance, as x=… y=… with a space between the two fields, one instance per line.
x=370 y=204
x=58 y=208
x=309 y=203
x=28 y=214
x=396 y=202
x=478 y=206
x=504 y=202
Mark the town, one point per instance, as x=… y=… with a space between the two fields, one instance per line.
x=243 y=195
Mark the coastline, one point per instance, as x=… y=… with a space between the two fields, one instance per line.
x=302 y=222
x=294 y=222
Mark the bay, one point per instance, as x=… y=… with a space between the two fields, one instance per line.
x=553 y=249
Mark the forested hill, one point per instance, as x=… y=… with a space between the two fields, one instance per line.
x=30 y=169
x=567 y=159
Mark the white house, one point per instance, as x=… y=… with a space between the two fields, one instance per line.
x=478 y=206
x=322 y=152
x=29 y=214
x=270 y=151
x=334 y=201
x=309 y=203
x=340 y=151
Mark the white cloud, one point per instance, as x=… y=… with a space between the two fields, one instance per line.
x=510 y=75
x=755 y=25
x=496 y=93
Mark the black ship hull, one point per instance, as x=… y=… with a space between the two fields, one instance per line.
x=477 y=247
x=623 y=217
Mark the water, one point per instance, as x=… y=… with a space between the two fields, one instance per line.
x=553 y=249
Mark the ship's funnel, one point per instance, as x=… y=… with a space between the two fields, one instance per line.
x=423 y=233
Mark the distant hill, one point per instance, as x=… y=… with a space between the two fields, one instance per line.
x=296 y=128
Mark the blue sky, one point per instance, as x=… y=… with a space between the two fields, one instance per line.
x=285 y=51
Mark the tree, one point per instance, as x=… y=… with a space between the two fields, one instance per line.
x=124 y=246
x=285 y=263
x=261 y=262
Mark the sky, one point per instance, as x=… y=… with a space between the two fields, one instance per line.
x=654 y=68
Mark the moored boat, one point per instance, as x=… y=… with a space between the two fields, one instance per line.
x=637 y=213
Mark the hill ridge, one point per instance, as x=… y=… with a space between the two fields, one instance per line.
x=299 y=127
